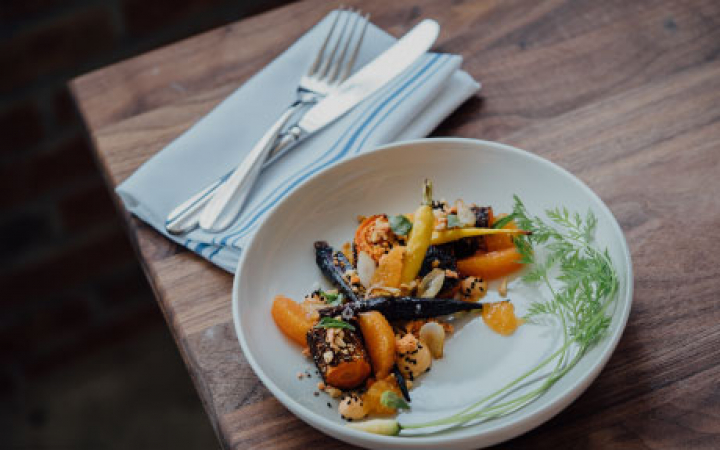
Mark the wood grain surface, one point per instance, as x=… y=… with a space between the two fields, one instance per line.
x=626 y=95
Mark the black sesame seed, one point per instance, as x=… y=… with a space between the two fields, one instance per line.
x=329 y=405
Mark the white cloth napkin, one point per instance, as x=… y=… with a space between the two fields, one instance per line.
x=409 y=107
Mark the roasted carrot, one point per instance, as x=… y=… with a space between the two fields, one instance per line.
x=340 y=356
x=501 y=242
x=420 y=236
x=445 y=236
x=491 y=265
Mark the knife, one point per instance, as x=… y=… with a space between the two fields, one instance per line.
x=218 y=205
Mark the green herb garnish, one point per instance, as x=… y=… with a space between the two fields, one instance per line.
x=400 y=225
x=582 y=283
x=389 y=399
x=332 y=299
x=329 y=322
x=453 y=221
x=504 y=221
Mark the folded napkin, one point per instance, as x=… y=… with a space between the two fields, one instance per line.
x=409 y=107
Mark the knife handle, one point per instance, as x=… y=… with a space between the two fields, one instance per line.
x=230 y=197
x=185 y=217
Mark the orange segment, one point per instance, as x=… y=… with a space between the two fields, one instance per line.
x=389 y=270
x=379 y=340
x=291 y=318
x=371 y=398
x=500 y=317
x=491 y=265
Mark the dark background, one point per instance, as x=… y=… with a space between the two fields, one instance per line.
x=85 y=358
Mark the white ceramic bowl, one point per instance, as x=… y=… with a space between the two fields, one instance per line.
x=280 y=260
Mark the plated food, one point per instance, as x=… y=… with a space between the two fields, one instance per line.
x=397 y=285
x=479 y=393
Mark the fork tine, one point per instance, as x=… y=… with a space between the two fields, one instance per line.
x=339 y=61
x=330 y=58
x=349 y=65
x=319 y=56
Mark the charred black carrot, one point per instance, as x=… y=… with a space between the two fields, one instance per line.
x=401 y=308
x=340 y=356
x=334 y=265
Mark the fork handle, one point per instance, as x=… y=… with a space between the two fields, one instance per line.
x=184 y=217
x=230 y=197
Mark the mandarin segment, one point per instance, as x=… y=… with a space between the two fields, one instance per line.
x=500 y=317
x=371 y=398
x=379 y=341
x=389 y=269
x=291 y=318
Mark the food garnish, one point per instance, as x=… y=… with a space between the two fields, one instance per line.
x=400 y=225
x=391 y=400
x=329 y=322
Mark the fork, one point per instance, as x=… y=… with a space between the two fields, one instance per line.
x=332 y=65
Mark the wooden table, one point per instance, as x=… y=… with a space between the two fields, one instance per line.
x=626 y=95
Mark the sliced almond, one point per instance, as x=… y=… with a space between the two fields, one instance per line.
x=502 y=289
x=431 y=283
x=433 y=335
x=365 y=268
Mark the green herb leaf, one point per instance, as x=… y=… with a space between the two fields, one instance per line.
x=332 y=299
x=400 y=225
x=389 y=399
x=453 y=221
x=329 y=322
x=504 y=221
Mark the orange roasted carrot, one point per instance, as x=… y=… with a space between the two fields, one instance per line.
x=491 y=265
x=340 y=356
x=347 y=374
x=501 y=241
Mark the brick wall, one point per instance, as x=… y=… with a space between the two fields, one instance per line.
x=68 y=277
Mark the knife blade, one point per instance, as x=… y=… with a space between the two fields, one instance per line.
x=219 y=204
